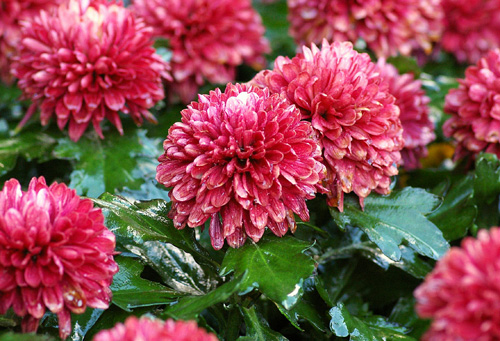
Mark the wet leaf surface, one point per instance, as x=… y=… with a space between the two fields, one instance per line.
x=276 y=266
x=399 y=217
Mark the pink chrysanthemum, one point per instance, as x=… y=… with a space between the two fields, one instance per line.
x=475 y=109
x=387 y=27
x=343 y=94
x=55 y=254
x=418 y=129
x=100 y=62
x=12 y=12
x=208 y=39
x=244 y=159
x=471 y=28
x=146 y=329
x=462 y=293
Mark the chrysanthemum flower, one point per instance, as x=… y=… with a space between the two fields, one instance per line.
x=343 y=94
x=12 y=12
x=471 y=28
x=100 y=62
x=475 y=109
x=387 y=26
x=208 y=39
x=244 y=159
x=462 y=294
x=418 y=129
x=55 y=254
x=146 y=329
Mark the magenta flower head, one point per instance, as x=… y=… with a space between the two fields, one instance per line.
x=55 y=254
x=418 y=129
x=352 y=111
x=475 y=109
x=146 y=329
x=244 y=159
x=461 y=294
x=12 y=12
x=100 y=62
x=471 y=28
x=208 y=39
x=388 y=27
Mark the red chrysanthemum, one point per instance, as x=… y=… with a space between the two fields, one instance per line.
x=12 y=12
x=343 y=94
x=208 y=39
x=244 y=159
x=55 y=253
x=146 y=329
x=83 y=63
x=475 y=109
x=462 y=294
x=387 y=27
x=471 y=28
x=418 y=129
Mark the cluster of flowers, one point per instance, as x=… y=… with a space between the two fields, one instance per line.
x=83 y=61
x=388 y=27
x=328 y=120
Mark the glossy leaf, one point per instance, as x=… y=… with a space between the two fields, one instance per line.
x=307 y=309
x=404 y=314
x=344 y=324
x=30 y=145
x=257 y=327
x=391 y=220
x=144 y=229
x=188 y=308
x=132 y=291
x=112 y=164
x=276 y=266
x=457 y=213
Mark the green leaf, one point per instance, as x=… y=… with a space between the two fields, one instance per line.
x=257 y=327
x=390 y=220
x=487 y=178
x=457 y=213
x=30 y=145
x=404 y=314
x=308 y=308
x=276 y=266
x=132 y=291
x=83 y=323
x=144 y=229
x=25 y=337
x=344 y=324
x=112 y=164
x=487 y=190
x=409 y=261
x=188 y=308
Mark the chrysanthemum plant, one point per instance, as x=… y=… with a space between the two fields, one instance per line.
x=333 y=195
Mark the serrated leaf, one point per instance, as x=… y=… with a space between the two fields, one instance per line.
x=391 y=220
x=276 y=266
x=188 y=308
x=144 y=229
x=257 y=327
x=30 y=145
x=457 y=213
x=112 y=164
x=487 y=178
x=344 y=324
x=132 y=291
